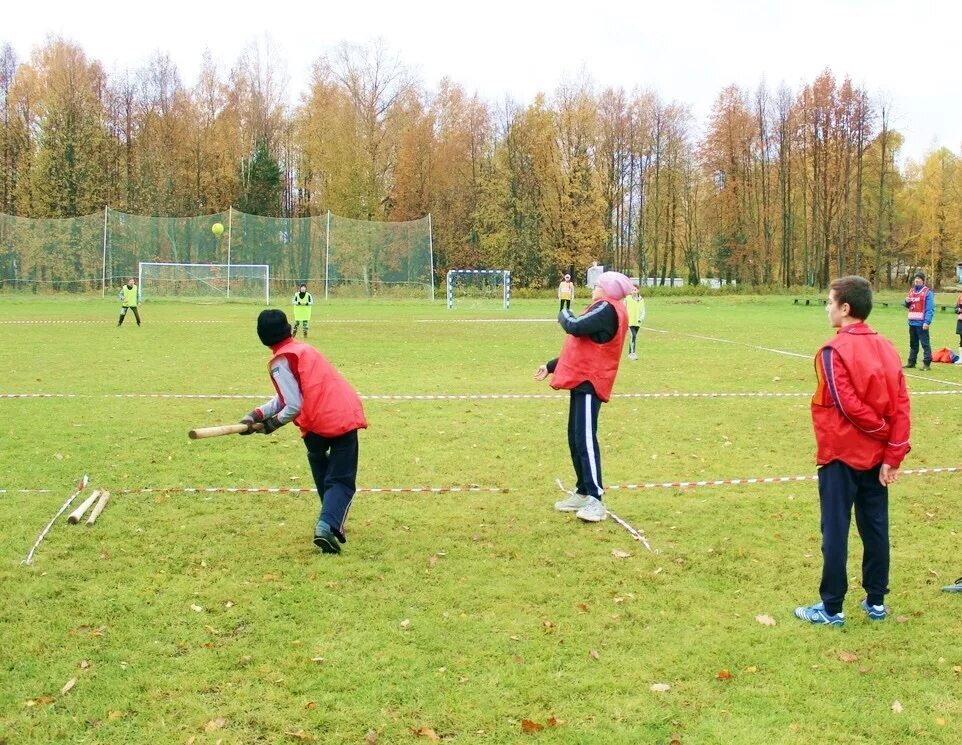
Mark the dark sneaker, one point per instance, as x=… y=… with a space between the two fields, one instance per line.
x=875 y=612
x=926 y=368
x=908 y=366
x=325 y=539
x=816 y=614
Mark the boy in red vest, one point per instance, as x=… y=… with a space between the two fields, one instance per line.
x=587 y=367
x=921 y=309
x=312 y=394
x=860 y=412
x=958 y=326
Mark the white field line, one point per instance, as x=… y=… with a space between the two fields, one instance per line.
x=487 y=320
x=785 y=352
x=456 y=396
x=106 y=320
x=754 y=481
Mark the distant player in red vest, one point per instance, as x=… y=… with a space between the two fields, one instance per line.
x=587 y=367
x=313 y=395
x=958 y=326
x=861 y=416
x=921 y=306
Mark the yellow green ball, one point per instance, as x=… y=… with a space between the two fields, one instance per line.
x=217 y=228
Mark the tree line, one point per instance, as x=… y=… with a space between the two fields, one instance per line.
x=783 y=188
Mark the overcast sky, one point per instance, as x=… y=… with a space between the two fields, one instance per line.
x=686 y=50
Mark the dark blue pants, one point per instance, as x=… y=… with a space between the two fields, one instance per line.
x=919 y=335
x=583 y=412
x=840 y=487
x=333 y=463
x=633 y=330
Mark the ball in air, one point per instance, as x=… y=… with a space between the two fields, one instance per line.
x=217 y=228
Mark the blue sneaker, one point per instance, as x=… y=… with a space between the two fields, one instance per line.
x=816 y=614
x=325 y=539
x=875 y=612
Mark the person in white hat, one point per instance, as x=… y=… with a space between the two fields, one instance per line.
x=566 y=293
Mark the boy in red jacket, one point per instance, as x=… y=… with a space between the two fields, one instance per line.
x=860 y=412
x=587 y=367
x=312 y=394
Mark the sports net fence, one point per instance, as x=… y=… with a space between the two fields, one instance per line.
x=336 y=256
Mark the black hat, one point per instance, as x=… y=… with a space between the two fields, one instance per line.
x=920 y=274
x=272 y=327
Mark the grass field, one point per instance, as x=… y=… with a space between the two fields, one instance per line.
x=466 y=617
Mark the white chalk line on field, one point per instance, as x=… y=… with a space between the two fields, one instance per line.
x=785 y=352
x=287 y=490
x=693 y=484
x=455 y=396
x=107 y=320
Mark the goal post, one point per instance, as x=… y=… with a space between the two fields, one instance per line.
x=492 y=282
x=204 y=281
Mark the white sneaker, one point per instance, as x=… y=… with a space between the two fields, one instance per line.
x=573 y=503
x=632 y=356
x=592 y=512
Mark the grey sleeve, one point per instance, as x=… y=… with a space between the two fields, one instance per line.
x=290 y=393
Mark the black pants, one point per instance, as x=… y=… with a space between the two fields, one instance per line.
x=123 y=314
x=565 y=303
x=840 y=487
x=634 y=336
x=333 y=462
x=583 y=410
x=918 y=335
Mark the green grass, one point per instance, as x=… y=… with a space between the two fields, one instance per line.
x=465 y=613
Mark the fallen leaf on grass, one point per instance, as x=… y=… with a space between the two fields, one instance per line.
x=765 y=620
x=530 y=727
x=115 y=714
x=215 y=724
x=68 y=685
x=957 y=668
x=197 y=608
x=310 y=705
x=300 y=735
x=847 y=656
x=594 y=654
x=724 y=675
x=619 y=554
x=940 y=721
x=371 y=737
x=43 y=700
x=659 y=687
x=84 y=664
x=583 y=607
x=405 y=623
x=897 y=707
x=427 y=732
x=554 y=722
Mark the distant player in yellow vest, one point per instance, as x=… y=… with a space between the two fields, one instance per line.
x=303 y=300
x=635 y=305
x=128 y=300
x=566 y=293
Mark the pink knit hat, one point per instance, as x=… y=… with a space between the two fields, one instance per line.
x=614 y=284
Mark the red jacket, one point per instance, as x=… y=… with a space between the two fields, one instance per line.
x=860 y=409
x=584 y=359
x=331 y=407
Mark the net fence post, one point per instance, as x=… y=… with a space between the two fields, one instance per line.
x=103 y=278
x=327 y=254
x=450 y=289
x=431 y=253
x=230 y=220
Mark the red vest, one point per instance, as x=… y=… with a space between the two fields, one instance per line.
x=958 y=308
x=916 y=300
x=583 y=359
x=331 y=407
x=874 y=368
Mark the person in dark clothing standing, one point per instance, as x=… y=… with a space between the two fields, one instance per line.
x=861 y=417
x=587 y=367
x=314 y=395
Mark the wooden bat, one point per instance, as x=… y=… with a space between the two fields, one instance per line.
x=224 y=429
x=74 y=517
x=98 y=508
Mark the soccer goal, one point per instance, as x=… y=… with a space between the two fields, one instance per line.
x=204 y=281
x=480 y=284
